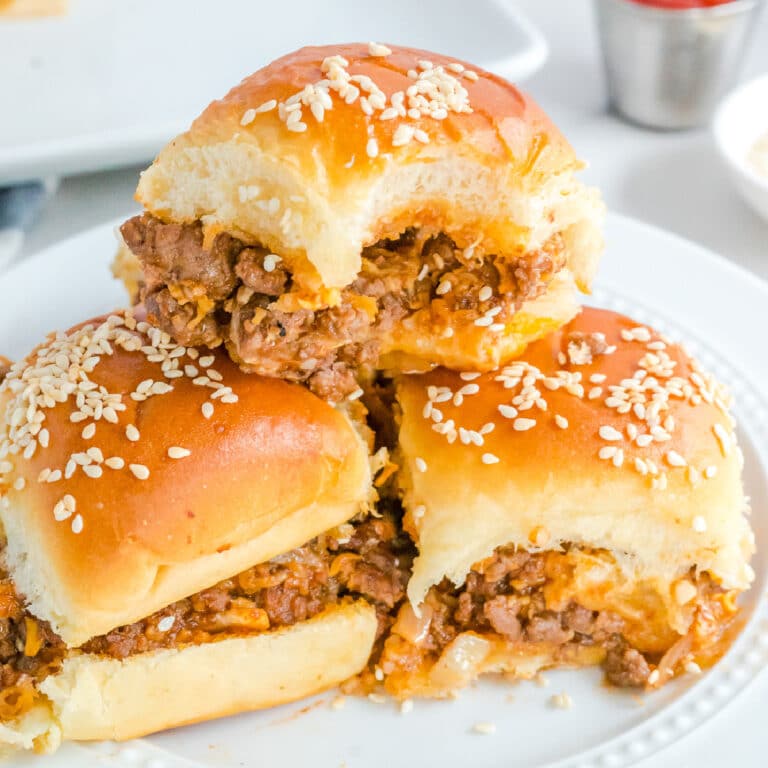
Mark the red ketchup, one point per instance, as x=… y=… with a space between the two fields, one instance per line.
x=681 y=5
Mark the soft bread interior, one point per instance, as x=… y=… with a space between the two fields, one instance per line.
x=326 y=228
x=95 y=698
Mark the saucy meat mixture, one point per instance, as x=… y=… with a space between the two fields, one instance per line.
x=230 y=294
x=370 y=558
x=504 y=599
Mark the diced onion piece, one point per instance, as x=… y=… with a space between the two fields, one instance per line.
x=460 y=662
x=411 y=627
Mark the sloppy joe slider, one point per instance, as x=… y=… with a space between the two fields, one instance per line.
x=176 y=538
x=358 y=206
x=582 y=505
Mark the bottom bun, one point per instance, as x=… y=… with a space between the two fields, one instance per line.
x=101 y=698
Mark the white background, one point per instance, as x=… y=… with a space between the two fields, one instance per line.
x=673 y=180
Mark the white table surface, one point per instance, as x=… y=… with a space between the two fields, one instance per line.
x=672 y=180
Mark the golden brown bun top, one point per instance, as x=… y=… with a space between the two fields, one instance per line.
x=174 y=500
x=566 y=445
x=477 y=159
x=504 y=125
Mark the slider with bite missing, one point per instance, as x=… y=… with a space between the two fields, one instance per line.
x=355 y=207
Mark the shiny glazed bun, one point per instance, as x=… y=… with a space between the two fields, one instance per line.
x=604 y=435
x=134 y=472
x=329 y=149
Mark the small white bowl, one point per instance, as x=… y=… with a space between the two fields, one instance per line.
x=739 y=122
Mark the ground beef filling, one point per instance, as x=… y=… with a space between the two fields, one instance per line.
x=504 y=597
x=228 y=294
x=370 y=559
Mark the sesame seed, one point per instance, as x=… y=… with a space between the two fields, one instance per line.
x=207 y=409
x=692 y=668
x=523 y=425
x=44 y=438
x=270 y=262
x=139 y=471
x=710 y=472
x=403 y=135
x=561 y=701
x=609 y=433
x=643 y=441
x=132 y=433
x=95 y=454
x=490 y=458
x=77 y=524
x=93 y=471
x=607 y=452
x=421 y=465
x=674 y=459
x=653 y=678
x=406 y=706
x=419 y=511
x=485 y=293
x=19 y=483
x=561 y=421
x=376 y=698
x=507 y=411
x=443 y=288
x=484 y=729
x=209 y=360
x=484 y=321
x=89 y=431
x=166 y=623
x=114 y=462
x=723 y=438
x=699 y=524
x=267 y=106
x=248 y=117
x=176 y=452
x=469 y=375
x=61 y=512
x=372 y=148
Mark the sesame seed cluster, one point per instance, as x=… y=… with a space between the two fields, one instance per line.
x=436 y=91
x=647 y=397
x=64 y=372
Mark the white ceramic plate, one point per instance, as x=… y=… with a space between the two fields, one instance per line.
x=109 y=83
x=644 y=273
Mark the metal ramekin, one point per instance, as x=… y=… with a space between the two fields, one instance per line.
x=669 y=68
